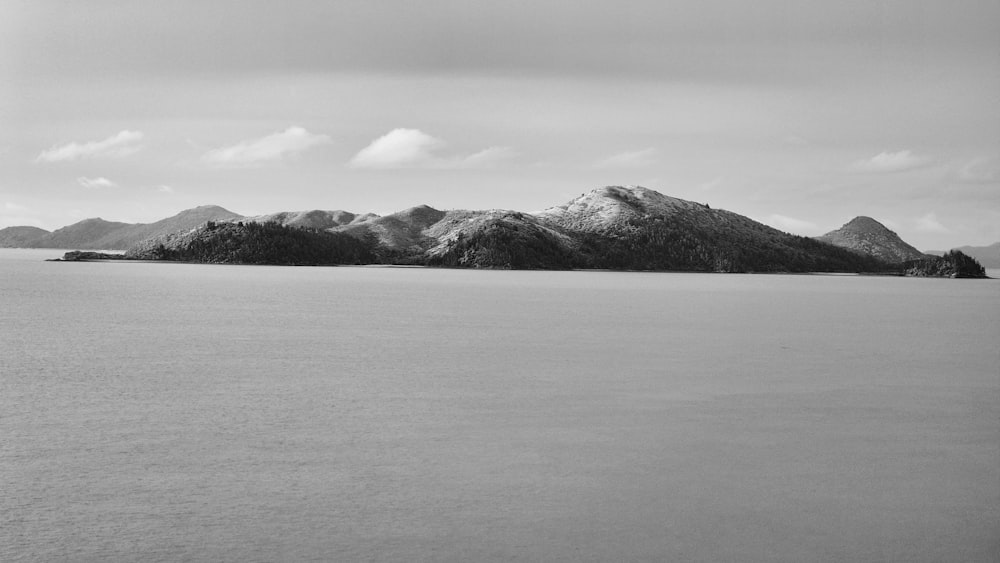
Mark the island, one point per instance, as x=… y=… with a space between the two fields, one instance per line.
x=612 y=228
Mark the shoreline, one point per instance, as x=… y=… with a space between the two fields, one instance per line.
x=86 y=256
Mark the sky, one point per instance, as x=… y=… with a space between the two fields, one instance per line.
x=801 y=114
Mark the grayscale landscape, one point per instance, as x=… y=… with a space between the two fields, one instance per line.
x=468 y=280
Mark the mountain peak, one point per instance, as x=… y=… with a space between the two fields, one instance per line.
x=213 y=210
x=867 y=236
x=421 y=215
x=20 y=236
x=604 y=207
x=862 y=223
x=312 y=219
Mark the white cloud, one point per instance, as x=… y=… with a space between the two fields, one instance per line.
x=13 y=207
x=412 y=148
x=889 y=162
x=487 y=158
x=399 y=148
x=980 y=170
x=95 y=183
x=276 y=146
x=929 y=224
x=628 y=159
x=792 y=225
x=116 y=146
x=163 y=188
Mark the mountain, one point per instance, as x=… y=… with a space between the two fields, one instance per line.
x=613 y=227
x=631 y=227
x=501 y=239
x=183 y=221
x=98 y=234
x=400 y=234
x=617 y=227
x=20 y=237
x=867 y=236
x=988 y=256
x=613 y=207
x=314 y=219
x=85 y=234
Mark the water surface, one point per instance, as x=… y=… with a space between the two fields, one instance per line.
x=163 y=412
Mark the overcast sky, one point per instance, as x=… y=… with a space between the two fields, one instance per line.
x=800 y=114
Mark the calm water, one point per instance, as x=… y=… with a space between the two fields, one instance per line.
x=165 y=412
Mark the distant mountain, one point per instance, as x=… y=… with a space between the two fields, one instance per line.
x=98 y=234
x=867 y=236
x=988 y=256
x=20 y=237
x=83 y=235
x=183 y=221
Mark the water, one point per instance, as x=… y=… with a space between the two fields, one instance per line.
x=164 y=412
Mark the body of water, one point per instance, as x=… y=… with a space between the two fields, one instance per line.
x=165 y=412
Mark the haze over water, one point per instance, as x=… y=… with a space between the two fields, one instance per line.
x=162 y=412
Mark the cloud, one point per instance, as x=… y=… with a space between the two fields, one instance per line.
x=628 y=159
x=980 y=170
x=791 y=224
x=274 y=147
x=399 y=148
x=412 y=148
x=163 y=188
x=116 y=146
x=95 y=183
x=929 y=224
x=487 y=158
x=889 y=162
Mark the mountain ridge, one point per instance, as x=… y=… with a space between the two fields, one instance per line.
x=97 y=234
x=20 y=236
x=610 y=227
